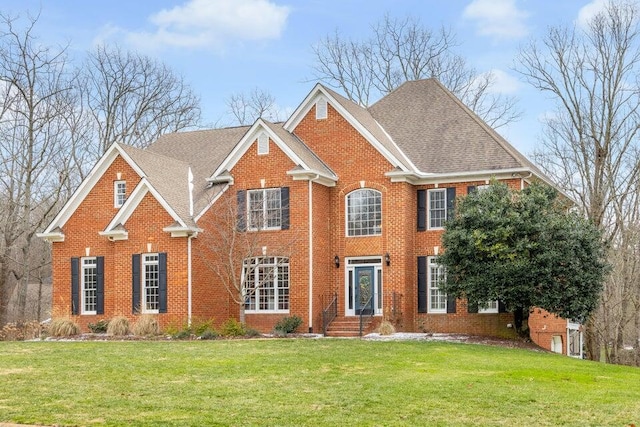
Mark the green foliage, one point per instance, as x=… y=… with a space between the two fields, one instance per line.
x=288 y=324
x=233 y=328
x=209 y=334
x=100 y=327
x=525 y=249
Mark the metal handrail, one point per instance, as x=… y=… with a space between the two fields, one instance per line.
x=329 y=313
x=362 y=315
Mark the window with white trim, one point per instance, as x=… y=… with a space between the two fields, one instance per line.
x=89 y=277
x=265 y=209
x=489 y=307
x=437 y=208
x=266 y=284
x=437 y=298
x=119 y=193
x=364 y=213
x=150 y=283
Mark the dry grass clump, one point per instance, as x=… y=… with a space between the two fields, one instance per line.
x=386 y=328
x=63 y=328
x=146 y=325
x=118 y=326
x=20 y=331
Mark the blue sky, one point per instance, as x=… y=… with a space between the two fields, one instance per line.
x=223 y=47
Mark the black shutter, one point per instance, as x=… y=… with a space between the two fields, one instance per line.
x=284 y=203
x=75 y=285
x=100 y=285
x=451 y=304
x=422 y=284
x=472 y=307
x=451 y=202
x=242 y=210
x=471 y=189
x=162 y=282
x=135 y=284
x=422 y=210
x=501 y=307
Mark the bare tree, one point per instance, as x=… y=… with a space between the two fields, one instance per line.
x=134 y=99
x=246 y=108
x=591 y=144
x=403 y=49
x=244 y=259
x=35 y=150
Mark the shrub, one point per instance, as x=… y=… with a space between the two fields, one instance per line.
x=198 y=327
x=288 y=324
x=233 y=328
x=250 y=332
x=146 y=325
x=63 y=328
x=20 y=331
x=118 y=326
x=100 y=327
x=184 y=334
x=386 y=328
x=209 y=335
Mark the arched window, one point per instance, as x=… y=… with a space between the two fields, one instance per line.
x=364 y=213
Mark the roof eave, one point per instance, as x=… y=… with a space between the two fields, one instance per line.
x=51 y=237
x=449 y=177
x=182 y=231
x=314 y=176
x=115 y=235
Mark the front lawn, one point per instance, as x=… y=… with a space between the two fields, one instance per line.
x=308 y=382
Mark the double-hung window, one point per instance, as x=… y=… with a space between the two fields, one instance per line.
x=150 y=283
x=119 y=193
x=437 y=208
x=89 y=285
x=265 y=209
x=437 y=298
x=266 y=284
x=364 y=213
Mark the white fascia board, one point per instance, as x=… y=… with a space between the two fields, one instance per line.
x=313 y=175
x=89 y=182
x=115 y=235
x=134 y=200
x=310 y=100
x=181 y=231
x=446 y=178
x=55 y=236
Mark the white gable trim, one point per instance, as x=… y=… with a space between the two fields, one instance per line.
x=134 y=200
x=88 y=183
x=247 y=141
x=319 y=91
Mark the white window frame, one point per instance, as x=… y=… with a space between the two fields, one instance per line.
x=265 y=209
x=119 y=193
x=277 y=270
x=149 y=261
x=434 y=291
x=88 y=264
x=377 y=227
x=491 y=307
x=430 y=194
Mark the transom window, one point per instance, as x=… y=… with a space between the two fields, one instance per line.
x=437 y=208
x=119 y=193
x=265 y=209
x=266 y=284
x=150 y=284
x=437 y=298
x=364 y=213
x=89 y=286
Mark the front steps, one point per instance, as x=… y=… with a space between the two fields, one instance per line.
x=349 y=327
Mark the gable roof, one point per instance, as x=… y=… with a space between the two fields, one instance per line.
x=440 y=134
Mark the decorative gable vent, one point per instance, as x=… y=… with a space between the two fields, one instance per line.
x=263 y=144
x=321 y=109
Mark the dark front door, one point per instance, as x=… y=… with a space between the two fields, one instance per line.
x=364 y=290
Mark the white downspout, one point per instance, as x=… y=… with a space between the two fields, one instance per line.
x=189 y=280
x=311 y=255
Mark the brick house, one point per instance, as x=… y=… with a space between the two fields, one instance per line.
x=360 y=193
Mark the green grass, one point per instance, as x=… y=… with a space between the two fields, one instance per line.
x=308 y=382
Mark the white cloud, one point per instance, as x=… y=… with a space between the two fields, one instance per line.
x=211 y=24
x=504 y=83
x=500 y=19
x=588 y=11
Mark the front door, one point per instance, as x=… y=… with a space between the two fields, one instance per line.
x=364 y=290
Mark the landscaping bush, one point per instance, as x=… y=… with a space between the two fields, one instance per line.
x=386 y=328
x=100 y=327
x=118 y=326
x=288 y=324
x=63 y=328
x=233 y=328
x=209 y=335
x=20 y=331
x=146 y=325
